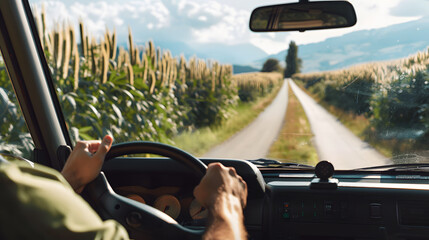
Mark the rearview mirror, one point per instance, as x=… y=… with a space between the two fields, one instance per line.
x=303 y=16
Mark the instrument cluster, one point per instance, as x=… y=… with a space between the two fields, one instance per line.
x=181 y=206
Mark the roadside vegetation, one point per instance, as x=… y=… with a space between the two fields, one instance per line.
x=293 y=62
x=271 y=65
x=14 y=136
x=202 y=140
x=385 y=104
x=294 y=142
x=132 y=93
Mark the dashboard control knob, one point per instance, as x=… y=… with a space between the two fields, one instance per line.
x=324 y=170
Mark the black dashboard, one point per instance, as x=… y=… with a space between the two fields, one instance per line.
x=363 y=206
x=282 y=205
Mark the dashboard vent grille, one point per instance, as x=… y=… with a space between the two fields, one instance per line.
x=413 y=213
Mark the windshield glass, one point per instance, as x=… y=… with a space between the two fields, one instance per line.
x=191 y=74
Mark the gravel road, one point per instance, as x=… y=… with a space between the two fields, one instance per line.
x=333 y=141
x=254 y=141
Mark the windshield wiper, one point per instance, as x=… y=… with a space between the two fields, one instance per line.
x=262 y=162
x=399 y=167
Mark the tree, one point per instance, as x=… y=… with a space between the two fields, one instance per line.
x=293 y=63
x=271 y=65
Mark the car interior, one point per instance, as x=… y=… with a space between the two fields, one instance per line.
x=288 y=201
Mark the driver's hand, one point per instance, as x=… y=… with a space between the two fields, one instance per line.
x=85 y=162
x=220 y=181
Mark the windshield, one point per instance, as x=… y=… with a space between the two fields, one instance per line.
x=191 y=74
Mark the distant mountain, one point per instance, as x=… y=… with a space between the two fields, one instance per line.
x=244 y=69
x=393 y=42
x=232 y=54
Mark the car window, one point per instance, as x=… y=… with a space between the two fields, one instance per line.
x=15 y=138
x=193 y=75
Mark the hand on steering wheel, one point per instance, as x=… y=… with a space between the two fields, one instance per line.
x=139 y=219
x=85 y=162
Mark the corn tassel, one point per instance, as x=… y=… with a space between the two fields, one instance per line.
x=66 y=53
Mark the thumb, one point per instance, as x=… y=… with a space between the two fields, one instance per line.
x=104 y=147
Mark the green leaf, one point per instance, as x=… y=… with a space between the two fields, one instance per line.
x=118 y=112
x=85 y=129
x=71 y=101
x=95 y=111
x=85 y=136
x=4 y=102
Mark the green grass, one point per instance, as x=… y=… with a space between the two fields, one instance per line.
x=294 y=143
x=202 y=140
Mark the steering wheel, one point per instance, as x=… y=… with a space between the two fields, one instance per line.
x=141 y=220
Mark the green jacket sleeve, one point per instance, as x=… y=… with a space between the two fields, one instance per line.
x=38 y=203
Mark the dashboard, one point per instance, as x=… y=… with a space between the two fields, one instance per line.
x=282 y=204
x=363 y=206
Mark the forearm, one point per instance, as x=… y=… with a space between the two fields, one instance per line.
x=74 y=181
x=226 y=220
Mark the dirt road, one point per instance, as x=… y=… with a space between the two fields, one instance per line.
x=254 y=141
x=333 y=141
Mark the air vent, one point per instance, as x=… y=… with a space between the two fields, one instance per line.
x=413 y=213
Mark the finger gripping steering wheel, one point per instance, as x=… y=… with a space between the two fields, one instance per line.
x=141 y=220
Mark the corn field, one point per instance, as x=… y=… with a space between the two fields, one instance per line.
x=133 y=92
x=253 y=85
x=394 y=96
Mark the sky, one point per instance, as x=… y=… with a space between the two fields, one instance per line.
x=222 y=21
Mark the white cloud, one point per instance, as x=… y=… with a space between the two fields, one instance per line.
x=370 y=15
x=193 y=21
x=377 y=14
x=202 y=18
x=411 y=8
x=101 y=14
x=230 y=28
x=185 y=20
x=275 y=45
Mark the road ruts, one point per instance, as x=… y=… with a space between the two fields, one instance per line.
x=254 y=141
x=334 y=142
